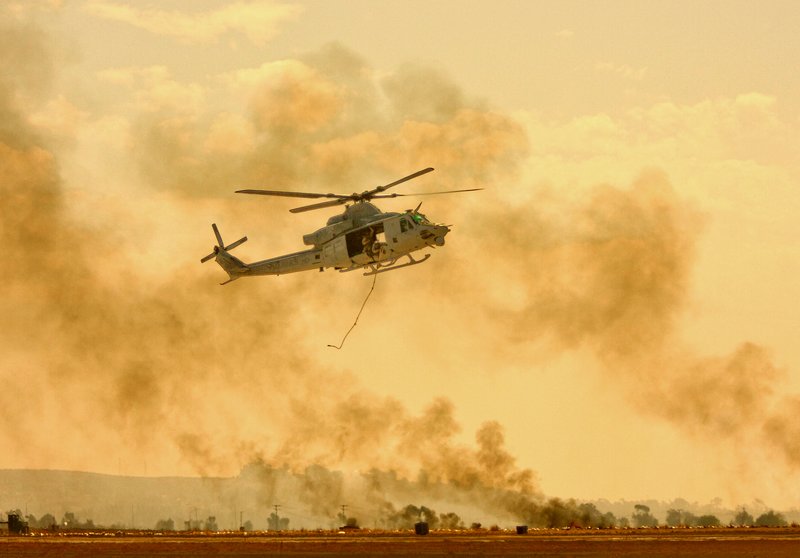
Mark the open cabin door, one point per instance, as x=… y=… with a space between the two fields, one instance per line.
x=366 y=240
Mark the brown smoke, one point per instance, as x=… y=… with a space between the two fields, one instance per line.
x=782 y=432
x=611 y=273
x=182 y=372
x=318 y=123
x=721 y=395
x=179 y=371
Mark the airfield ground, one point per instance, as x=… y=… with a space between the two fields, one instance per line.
x=722 y=542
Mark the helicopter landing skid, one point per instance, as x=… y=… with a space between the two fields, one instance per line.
x=375 y=268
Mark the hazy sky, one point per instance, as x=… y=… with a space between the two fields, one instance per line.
x=621 y=298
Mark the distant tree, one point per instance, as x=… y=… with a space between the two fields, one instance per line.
x=407 y=517
x=450 y=521
x=610 y=521
x=211 y=524
x=277 y=523
x=771 y=519
x=707 y=521
x=165 y=525
x=47 y=521
x=642 y=517
x=248 y=525
x=69 y=521
x=556 y=514
x=681 y=518
x=588 y=516
x=674 y=518
x=743 y=518
x=430 y=517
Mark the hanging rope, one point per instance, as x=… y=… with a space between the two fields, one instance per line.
x=374 y=279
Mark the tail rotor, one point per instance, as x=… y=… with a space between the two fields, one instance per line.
x=221 y=245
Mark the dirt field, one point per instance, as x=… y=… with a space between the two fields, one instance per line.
x=751 y=543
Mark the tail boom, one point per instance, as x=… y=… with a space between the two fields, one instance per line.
x=236 y=268
x=290 y=263
x=281 y=265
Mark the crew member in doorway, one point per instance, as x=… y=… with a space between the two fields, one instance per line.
x=368 y=242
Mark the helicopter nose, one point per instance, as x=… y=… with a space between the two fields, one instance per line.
x=439 y=233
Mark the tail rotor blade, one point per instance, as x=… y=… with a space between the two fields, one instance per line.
x=221 y=245
x=219 y=236
x=237 y=243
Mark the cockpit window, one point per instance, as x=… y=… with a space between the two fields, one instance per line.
x=419 y=218
x=405 y=225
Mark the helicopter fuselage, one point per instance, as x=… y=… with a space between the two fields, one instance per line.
x=360 y=237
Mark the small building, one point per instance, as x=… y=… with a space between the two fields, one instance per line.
x=15 y=525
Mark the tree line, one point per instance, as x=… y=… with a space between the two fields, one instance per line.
x=556 y=514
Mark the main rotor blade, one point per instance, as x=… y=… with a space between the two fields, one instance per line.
x=427 y=193
x=286 y=194
x=343 y=197
x=311 y=207
x=404 y=179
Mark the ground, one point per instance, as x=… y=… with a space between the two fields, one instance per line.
x=722 y=542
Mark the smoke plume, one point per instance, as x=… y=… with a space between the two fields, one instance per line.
x=611 y=274
x=117 y=340
x=172 y=372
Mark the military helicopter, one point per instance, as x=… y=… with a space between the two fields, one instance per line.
x=361 y=237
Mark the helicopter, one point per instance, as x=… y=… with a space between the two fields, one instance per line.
x=362 y=237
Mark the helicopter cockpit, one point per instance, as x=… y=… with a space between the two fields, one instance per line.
x=413 y=218
x=419 y=218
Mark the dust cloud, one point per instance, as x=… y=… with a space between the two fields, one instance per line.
x=128 y=370
x=611 y=273
x=134 y=374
